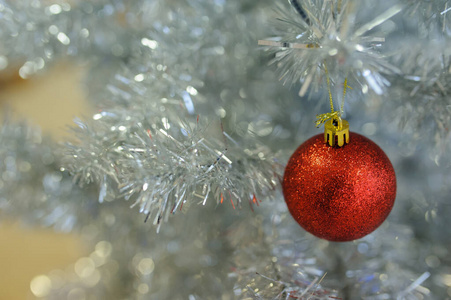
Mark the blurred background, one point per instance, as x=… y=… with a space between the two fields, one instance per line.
x=26 y=252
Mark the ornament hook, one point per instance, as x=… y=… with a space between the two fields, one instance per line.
x=336 y=132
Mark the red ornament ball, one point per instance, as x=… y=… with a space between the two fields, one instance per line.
x=339 y=193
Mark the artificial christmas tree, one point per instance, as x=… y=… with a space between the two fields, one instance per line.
x=193 y=130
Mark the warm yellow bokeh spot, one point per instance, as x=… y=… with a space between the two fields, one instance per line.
x=50 y=100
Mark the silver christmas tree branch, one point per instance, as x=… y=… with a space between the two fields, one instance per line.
x=331 y=37
x=149 y=146
x=163 y=165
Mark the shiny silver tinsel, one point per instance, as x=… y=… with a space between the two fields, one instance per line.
x=315 y=34
x=164 y=139
x=162 y=167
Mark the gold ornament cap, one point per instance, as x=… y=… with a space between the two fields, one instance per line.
x=336 y=132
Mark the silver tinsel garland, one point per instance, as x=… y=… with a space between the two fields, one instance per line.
x=334 y=35
x=190 y=114
x=159 y=139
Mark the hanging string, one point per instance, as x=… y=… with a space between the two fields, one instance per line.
x=329 y=89
x=322 y=118
x=345 y=87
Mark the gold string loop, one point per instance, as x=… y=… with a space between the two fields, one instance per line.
x=336 y=130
